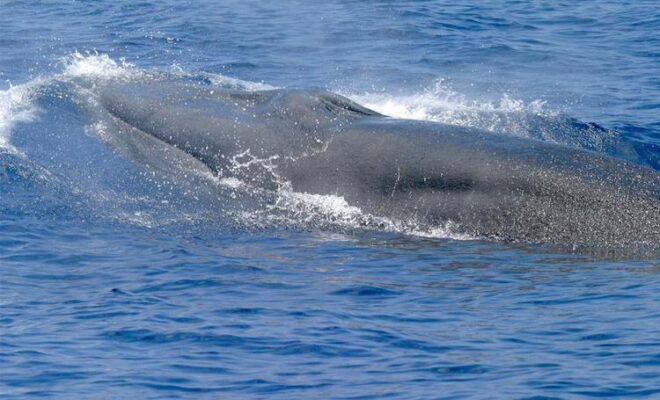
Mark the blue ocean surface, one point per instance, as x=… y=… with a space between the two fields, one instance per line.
x=117 y=281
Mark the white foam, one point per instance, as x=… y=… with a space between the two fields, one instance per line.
x=440 y=103
x=97 y=66
x=15 y=107
x=310 y=210
x=17 y=102
x=450 y=230
x=307 y=206
x=334 y=211
x=232 y=183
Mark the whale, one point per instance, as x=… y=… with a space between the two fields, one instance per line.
x=487 y=185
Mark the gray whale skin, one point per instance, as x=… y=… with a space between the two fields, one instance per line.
x=490 y=185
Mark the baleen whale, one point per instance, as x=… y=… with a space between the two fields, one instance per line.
x=488 y=185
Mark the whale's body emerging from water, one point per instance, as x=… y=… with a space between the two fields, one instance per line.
x=489 y=185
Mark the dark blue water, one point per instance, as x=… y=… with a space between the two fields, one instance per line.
x=117 y=282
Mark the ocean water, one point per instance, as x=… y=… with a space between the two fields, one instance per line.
x=118 y=281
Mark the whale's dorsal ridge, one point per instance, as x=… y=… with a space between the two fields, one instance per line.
x=319 y=102
x=336 y=101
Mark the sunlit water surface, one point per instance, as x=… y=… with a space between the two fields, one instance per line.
x=117 y=283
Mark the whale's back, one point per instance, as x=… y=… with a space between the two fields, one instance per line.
x=489 y=185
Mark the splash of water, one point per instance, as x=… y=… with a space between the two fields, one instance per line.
x=96 y=65
x=17 y=102
x=15 y=107
x=440 y=103
x=286 y=207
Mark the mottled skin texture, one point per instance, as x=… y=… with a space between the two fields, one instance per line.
x=491 y=185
